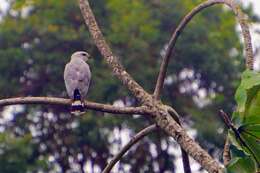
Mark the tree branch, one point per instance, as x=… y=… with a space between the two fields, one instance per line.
x=185 y=161
x=140 y=135
x=172 y=128
x=184 y=154
x=117 y=68
x=67 y=102
x=226 y=152
x=171 y=45
x=154 y=107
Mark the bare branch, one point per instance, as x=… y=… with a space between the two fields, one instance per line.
x=156 y=108
x=67 y=102
x=118 y=69
x=140 y=135
x=171 y=45
x=172 y=128
x=184 y=154
x=185 y=161
x=226 y=152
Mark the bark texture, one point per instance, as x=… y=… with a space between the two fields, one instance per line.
x=157 y=110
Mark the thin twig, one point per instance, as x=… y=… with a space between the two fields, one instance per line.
x=171 y=45
x=140 y=135
x=67 y=102
x=226 y=152
x=185 y=161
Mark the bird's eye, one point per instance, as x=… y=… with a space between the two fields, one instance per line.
x=84 y=54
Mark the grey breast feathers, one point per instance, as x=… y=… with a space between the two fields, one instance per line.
x=77 y=75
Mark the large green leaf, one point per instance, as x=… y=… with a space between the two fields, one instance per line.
x=248 y=99
x=251 y=129
x=247 y=142
x=240 y=163
x=246 y=119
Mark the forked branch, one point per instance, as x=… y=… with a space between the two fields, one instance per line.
x=140 y=135
x=242 y=19
x=157 y=110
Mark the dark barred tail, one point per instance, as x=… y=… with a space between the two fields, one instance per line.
x=77 y=106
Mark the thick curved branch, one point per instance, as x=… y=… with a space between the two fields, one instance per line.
x=117 y=68
x=156 y=108
x=184 y=154
x=67 y=102
x=172 y=128
x=245 y=31
x=140 y=135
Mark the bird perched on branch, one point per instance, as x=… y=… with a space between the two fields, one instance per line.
x=77 y=77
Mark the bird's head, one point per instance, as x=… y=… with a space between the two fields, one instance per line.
x=80 y=55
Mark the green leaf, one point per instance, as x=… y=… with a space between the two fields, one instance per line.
x=248 y=99
x=253 y=144
x=240 y=163
x=253 y=129
x=246 y=118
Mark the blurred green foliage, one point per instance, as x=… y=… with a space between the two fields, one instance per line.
x=16 y=154
x=37 y=38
